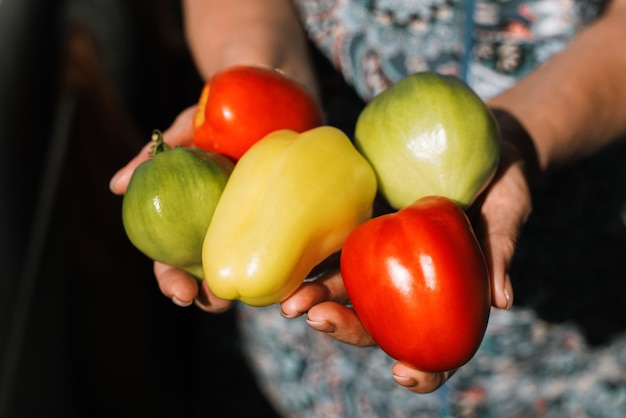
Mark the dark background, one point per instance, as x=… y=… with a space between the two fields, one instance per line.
x=84 y=330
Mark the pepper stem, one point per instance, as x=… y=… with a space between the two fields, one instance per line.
x=159 y=144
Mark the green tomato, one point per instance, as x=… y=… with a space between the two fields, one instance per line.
x=429 y=134
x=170 y=202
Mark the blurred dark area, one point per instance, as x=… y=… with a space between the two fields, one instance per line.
x=84 y=329
x=570 y=262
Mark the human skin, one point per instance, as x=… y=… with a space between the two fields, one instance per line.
x=568 y=108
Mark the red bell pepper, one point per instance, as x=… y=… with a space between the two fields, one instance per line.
x=418 y=281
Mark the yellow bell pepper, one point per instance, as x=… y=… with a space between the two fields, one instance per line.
x=290 y=202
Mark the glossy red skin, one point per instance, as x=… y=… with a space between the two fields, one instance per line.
x=243 y=104
x=432 y=315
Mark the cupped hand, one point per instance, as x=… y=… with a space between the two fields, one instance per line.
x=181 y=287
x=497 y=216
x=326 y=305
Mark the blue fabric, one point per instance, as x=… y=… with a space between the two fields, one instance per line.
x=525 y=367
x=374 y=43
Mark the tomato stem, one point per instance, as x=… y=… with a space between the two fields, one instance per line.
x=159 y=144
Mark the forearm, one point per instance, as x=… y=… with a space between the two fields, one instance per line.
x=576 y=103
x=268 y=33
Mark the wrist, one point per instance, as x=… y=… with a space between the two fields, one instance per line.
x=516 y=138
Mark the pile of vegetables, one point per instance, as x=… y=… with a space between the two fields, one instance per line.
x=267 y=192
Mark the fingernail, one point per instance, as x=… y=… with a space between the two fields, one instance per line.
x=180 y=302
x=404 y=381
x=322 y=326
x=289 y=316
x=508 y=299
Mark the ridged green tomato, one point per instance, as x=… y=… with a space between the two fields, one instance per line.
x=170 y=202
x=429 y=134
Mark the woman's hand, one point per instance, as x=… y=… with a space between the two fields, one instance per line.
x=176 y=284
x=497 y=216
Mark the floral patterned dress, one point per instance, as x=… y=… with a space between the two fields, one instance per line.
x=526 y=366
x=488 y=43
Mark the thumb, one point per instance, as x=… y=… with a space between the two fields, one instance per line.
x=179 y=133
x=504 y=209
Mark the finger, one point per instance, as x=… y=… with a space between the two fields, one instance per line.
x=340 y=322
x=328 y=287
x=180 y=133
x=505 y=209
x=417 y=381
x=176 y=284
x=208 y=302
x=185 y=289
x=119 y=181
x=181 y=130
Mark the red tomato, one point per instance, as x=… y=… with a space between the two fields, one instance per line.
x=241 y=105
x=419 y=282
